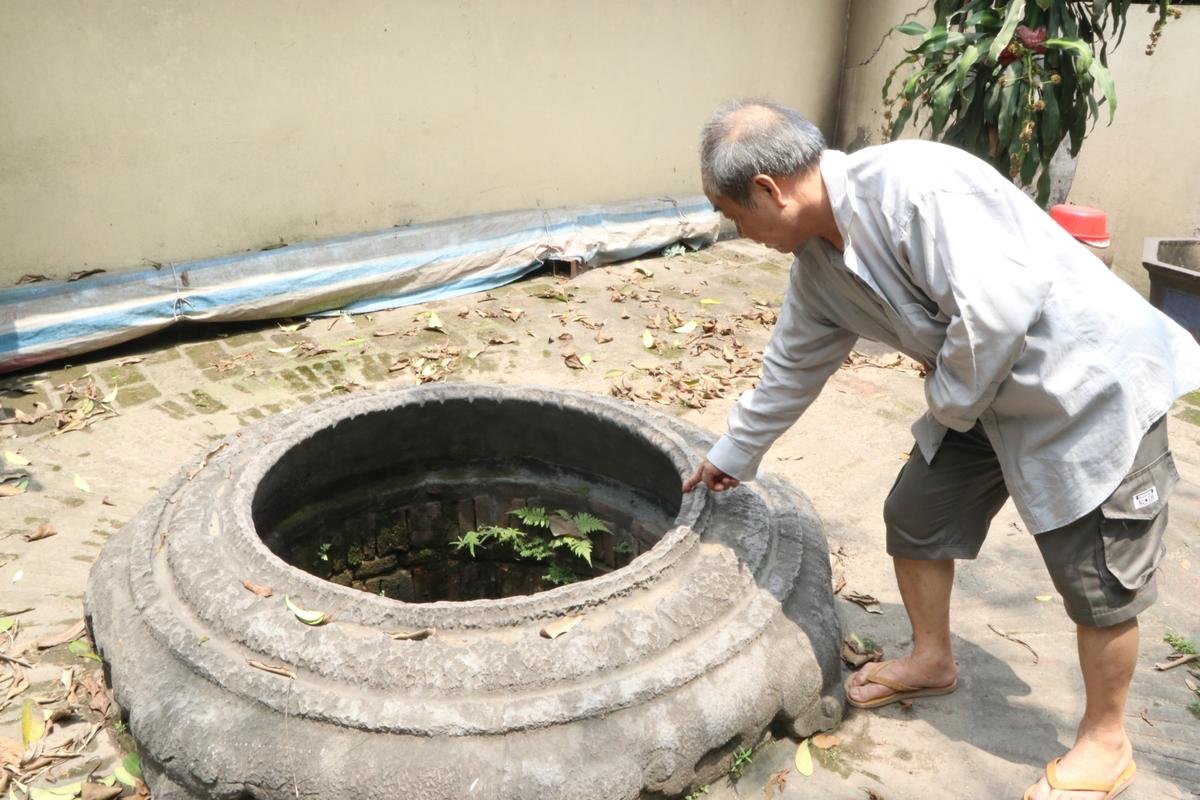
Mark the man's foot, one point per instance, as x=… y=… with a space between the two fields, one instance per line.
x=1089 y=763
x=936 y=677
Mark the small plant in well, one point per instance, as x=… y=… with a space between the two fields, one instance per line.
x=696 y=795
x=1180 y=644
x=544 y=535
x=742 y=758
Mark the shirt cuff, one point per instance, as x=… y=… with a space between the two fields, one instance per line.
x=731 y=459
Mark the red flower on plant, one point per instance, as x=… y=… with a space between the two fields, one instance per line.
x=1027 y=39
x=1035 y=40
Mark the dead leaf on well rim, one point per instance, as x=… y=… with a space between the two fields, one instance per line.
x=258 y=589
x=412 y=636
x=204 y=461
x=560 y=626
x=306 y=616
x=274 y=669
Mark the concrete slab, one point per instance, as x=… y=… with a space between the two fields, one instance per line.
x=179 y=392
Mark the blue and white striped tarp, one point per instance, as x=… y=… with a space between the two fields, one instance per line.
x=365 y=272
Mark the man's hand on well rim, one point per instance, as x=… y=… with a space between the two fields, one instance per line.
x=710 y=476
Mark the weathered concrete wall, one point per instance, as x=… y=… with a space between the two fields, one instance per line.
x=133 y=131
x=1140 y=170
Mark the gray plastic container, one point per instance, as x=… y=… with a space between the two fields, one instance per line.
x=1174 y=267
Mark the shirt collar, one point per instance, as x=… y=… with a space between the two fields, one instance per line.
x=833 y=173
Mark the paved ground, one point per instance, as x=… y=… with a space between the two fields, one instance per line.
x=179 y=392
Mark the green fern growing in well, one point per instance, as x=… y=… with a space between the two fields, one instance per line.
x=559 y=575
x=589 y=524
x=582 y=548
x=540 y=544
x=534 y=516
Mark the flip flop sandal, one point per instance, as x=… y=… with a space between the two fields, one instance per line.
x=1112 y=789
x=900 y=691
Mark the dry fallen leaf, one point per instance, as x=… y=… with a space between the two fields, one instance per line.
x=686 y=327
x=82 y=484
x=647 y=339
x=98 y=791
x=1012 y=638
x=258 y=589
x=16 y=459
x=204 y=461
x=1175 y=661
x=10 y=752
x=44 y=531
x=855 y=653
x=1042 y=598
x=274 y=669
x=866 y=601
x=412 y=636
x=778 y=780
x=14 y=488
x=306 y=616
x=560 y=626
x=434 y=323
x=824 y=741
x=33 y=725
x=62 y=637
x=804 y=762
x=573 y=361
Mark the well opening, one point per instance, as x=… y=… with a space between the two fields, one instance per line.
x=386 y=502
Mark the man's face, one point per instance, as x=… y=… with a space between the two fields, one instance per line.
x=771 y=221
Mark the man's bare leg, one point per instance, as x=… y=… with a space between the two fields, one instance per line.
x=925 y=588
x=1107 y=657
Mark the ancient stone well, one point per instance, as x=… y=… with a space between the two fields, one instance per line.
x=701 y=621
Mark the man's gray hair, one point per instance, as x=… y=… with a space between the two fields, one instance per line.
x=752 y=137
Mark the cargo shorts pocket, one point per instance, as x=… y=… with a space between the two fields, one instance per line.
x=1134 y=518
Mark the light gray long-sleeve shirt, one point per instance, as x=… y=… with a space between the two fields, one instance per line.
x=1063 y=364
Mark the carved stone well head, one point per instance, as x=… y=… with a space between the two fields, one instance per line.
x=699 y=620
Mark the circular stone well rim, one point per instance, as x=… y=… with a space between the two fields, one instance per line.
x=165 y=584
x=513 y=610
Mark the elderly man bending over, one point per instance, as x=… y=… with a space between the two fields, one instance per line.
x=1049 y=381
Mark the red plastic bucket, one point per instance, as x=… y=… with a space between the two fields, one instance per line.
x=1088 y=225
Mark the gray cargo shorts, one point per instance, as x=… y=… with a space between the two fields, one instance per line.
x=1102 y=564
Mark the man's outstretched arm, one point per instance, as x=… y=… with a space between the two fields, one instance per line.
x=803 y=352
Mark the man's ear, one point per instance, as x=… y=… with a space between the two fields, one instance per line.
x=766 y=184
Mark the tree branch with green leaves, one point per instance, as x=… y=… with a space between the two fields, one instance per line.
x=1011 y=80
